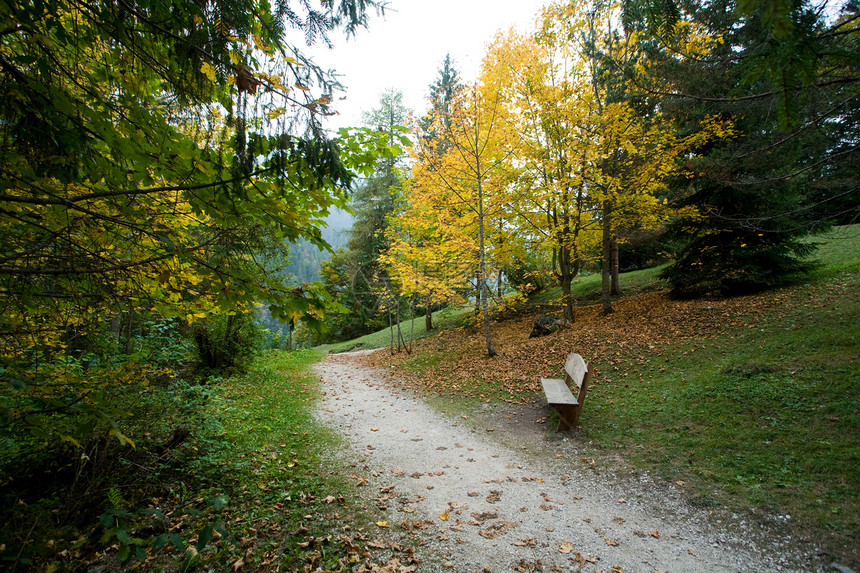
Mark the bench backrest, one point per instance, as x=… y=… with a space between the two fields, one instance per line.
x=576 y=373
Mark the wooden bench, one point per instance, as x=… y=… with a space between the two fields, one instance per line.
x=559 y=393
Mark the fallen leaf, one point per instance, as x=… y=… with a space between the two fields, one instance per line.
x=382 y=523
x=443 y=516
x=565 y=547
x=654 y=534
x=692 y=552
x=374 y=429
x=238 y=564
x=612 y=542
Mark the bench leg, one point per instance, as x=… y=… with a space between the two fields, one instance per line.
x=574 y=418
x=567 y=417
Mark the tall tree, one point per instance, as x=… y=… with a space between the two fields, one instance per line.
x=610 y=150
x=354 y=276
x=469 y=175
x=787 y=73
x=431 y=136
x=546 y=97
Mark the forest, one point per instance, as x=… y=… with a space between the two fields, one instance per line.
x=170 y=191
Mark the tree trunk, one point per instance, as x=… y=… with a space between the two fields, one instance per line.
x=606 y=274
x=482 y=268
x=478 y=291
x=565 y=276
x=411 y=323
x=428 y=318
x=399 y=333
x=390 y=332
x=616 y=266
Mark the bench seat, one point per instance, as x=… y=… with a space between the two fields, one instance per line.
x=557 y=392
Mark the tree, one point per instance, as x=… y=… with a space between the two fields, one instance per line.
x=787 y=75
x=545 y=98
x=355 y=276
x=442 y=94
x=592 y=156
x=467 y=176
x=152 y=152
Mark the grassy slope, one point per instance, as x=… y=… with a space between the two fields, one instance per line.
x=748 y=402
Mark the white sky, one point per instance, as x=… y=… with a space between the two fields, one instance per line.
x=405 y=49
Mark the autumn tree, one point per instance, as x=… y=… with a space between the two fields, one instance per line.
x=545 y=97
x=467 y=178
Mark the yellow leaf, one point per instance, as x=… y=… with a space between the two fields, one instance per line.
x=382 y=524
x=207 y=70
x=443 y=516
x=72 y=440
x=259 y=43
x=123 y=439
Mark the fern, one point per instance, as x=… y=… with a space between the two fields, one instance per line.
x=115 y=498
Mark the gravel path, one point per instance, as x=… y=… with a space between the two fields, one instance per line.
x=482 y=506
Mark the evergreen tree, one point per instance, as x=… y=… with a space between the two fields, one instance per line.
x=789 y=82
x=442 y=93
x=354 y=274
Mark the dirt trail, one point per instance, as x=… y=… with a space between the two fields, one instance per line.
x=491 y=508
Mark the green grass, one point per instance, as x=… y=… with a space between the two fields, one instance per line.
x=764 y=416
x=586 y=288
x=837 y=251
x=267 y=453
x=442 y=319
x=258 y=480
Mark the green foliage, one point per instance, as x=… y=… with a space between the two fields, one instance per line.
x=728 y=256
x=225 y=341
x=353 y=276
x=254 y=462
x=155 y=162
x=780 y=68
x=164 y=344
x=529 y=276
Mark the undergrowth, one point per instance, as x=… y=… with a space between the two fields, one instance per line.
x=235 y=473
